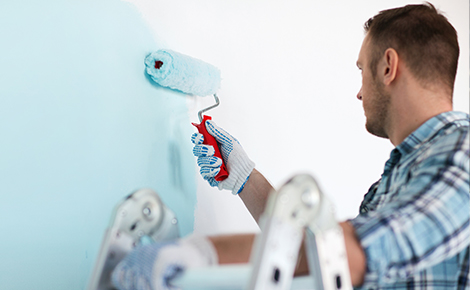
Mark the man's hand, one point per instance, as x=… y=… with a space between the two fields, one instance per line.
x=153 y=266
x=238 y=164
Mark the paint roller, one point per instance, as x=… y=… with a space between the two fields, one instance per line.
x=191 y=76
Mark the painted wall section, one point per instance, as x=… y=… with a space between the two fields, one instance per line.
x=81 y=127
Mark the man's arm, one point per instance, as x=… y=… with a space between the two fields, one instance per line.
x=255 y=194
x=237 y=249
x=355 y=253
x=233 y=249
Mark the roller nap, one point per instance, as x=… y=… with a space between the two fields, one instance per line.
x=183 y=73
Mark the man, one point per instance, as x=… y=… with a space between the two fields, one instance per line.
x=413 y=229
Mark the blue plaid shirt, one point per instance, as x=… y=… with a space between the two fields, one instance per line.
x=414 y=222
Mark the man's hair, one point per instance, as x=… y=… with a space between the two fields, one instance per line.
x=422 y=37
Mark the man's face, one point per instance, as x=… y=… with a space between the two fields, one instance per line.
x=375 y=100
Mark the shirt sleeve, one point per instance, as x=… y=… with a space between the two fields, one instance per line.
x=428 y=221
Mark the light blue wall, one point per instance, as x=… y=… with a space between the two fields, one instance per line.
x=80 y=127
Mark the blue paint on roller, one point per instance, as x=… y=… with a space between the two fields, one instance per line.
x=183 y=73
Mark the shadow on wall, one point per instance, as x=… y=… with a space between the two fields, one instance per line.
x=81 y=128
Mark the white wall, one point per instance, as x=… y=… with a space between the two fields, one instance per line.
x=289 y=90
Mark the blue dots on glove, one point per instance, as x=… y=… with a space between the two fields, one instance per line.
x=239 y=166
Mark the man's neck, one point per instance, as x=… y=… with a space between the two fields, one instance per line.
x=412 y=105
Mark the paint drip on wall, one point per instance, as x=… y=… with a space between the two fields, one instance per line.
x=81 y=128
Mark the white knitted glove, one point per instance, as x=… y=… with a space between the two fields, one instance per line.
x=152 y=267
x=239 y=166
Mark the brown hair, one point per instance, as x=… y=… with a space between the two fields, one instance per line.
x=422 y=36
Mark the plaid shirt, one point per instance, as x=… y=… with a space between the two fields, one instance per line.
x=414 y=222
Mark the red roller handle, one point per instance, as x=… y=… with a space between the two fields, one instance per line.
x=210 y=140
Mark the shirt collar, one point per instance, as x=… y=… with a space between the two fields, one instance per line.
x=429 y=130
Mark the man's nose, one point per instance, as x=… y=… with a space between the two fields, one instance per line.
x=359 y=95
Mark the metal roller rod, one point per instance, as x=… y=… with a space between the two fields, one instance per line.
x=217 y=102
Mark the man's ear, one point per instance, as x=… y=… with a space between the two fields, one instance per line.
x=389 y=67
